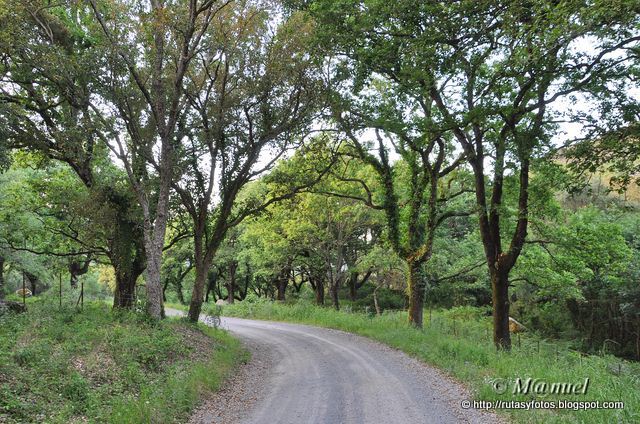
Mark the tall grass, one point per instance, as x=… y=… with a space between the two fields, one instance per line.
x=65 y=365
x=184 y=387
x=459 y=342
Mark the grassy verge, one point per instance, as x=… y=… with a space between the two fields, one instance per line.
x=459 y=342
x=97 y=365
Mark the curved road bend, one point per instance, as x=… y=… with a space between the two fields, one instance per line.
x=324 y=376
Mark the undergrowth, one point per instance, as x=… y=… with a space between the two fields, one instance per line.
x=64 y=365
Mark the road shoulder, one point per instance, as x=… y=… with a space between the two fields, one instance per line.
x=243 y=389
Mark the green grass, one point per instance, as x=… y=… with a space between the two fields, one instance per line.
x=97 y=365
x=459 y=342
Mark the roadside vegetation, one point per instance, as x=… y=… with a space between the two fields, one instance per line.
x=459 y=342
x=98 y=365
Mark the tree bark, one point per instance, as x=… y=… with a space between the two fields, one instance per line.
x=282 y=284
x=195 y=306
x=125 y=292
x=355 y=285
x=353 y=280
x=499 y=261
x=34 y=281
x=318 y=288
x=500 y=289
x=212 y=277
x=1 y=278
x=231 y=287
x=204 y=252
x=320 y=294
x=154 y=241
x=126 y=253
x=202 y=262
x=180 y=294
x=375 y=301
x=243 y=291
x=231 y=293
x=334 y=296
x=415 y=284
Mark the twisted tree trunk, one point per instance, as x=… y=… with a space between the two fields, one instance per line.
x=1 y=278
x=416 y=295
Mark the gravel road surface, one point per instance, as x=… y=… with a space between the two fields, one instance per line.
x=303 y=374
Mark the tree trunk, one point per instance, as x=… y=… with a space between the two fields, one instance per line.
x=33 y=280
x=180 y=294
x=231 y=293
x=334 y=296
x=375 y=301
x=318 y=287
x=73 y=281
x=1 y=278
x=197 y=296
x=76 y=269
x=231 y=286
x=212 y=276
x=125 y=292
x=202 y=265
x=353 y=281
x=416 y=295
x=243 y=291
x=155 y=230
x=164 y=290
x=500 y=289
x=282 y=284
x=153 y=284
x=127 y=256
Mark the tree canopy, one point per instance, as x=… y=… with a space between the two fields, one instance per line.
x=388 y=154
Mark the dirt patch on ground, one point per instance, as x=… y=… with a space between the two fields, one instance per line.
x=98 y=366
x=201 y=345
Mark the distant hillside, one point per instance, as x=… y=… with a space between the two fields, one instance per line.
x=602 y=184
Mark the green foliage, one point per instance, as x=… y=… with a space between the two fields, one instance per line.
x=582 y=271
x=388 y=299
x=315 y=235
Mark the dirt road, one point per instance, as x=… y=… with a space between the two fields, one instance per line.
x=303 y=374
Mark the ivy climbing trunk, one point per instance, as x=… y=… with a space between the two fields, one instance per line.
x=416 y=295
x=126 y=249
x=128 y=260
x=1 y=278
x=125 y=291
